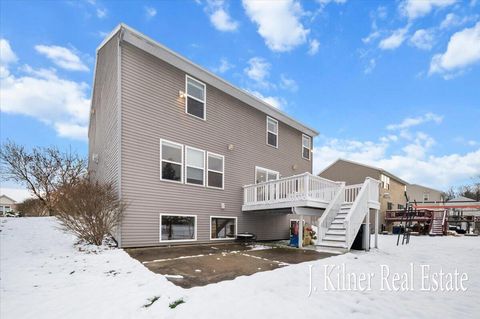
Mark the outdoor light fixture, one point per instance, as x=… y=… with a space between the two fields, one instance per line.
x=181 y=94
x=294 y=167
x=231 y=147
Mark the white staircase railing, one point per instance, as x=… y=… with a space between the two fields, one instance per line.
x=298 y=187
x=369 y=192
x=351 y=192
x=331 y=212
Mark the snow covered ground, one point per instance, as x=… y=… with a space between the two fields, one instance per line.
x=43 y=275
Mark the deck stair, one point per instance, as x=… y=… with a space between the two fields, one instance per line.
x=438 y=224
x=341 y=221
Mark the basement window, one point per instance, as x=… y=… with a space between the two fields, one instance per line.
x=178 y=227
x=195 y=98
x=223 y=227
x=272 y=132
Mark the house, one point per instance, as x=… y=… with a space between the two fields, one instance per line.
x=198 y=160
x=392 y=188
x=7 y=205
x=421 y=194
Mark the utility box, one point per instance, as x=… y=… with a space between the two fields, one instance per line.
x=358 y=243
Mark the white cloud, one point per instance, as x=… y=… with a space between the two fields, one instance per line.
x=372 y=36
x=101 y=13
x=288 y=84
x=219 y=16
x=62 y=57
x=278 y=23
x=314 y=46
x=423 y=39
x=463 y=49
x=439 y=171
x=258 y=70
x=224 y=66
x=275 y=101
x=7 y=56
x=418 y=8
x=43 y=95
x=414 y=121
x=370 y=66
x=394 y=40
x=150 y=12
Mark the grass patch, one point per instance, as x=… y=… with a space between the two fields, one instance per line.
x=151 y=301
x=177 y=302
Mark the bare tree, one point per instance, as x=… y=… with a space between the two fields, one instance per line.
x=89 y=209
x=41 y=170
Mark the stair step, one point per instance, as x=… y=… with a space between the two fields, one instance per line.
x=336 y=232
x=336 y=227
x=340 y=238
x=338 y=222
x=328 y=243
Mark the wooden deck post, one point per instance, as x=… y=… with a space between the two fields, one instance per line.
x=366 y=233
x=300 y=232
x=376 y=227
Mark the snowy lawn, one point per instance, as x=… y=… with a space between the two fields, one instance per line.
x=43 y=275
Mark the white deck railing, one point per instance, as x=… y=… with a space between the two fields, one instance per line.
x=368 y=193
x=331 y=212
x=289 y=189
x=351 y=192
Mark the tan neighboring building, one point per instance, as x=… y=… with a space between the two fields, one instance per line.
x=7 y=205
x=392 y=188
x=422 y=194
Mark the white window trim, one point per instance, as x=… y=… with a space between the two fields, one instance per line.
x=267 y=170
x=176 y=240
x=426 y=197
x=267 y=131
x=309 y=148
x=162 y=160
x=190 y=96
x=222 y=172
x=226 y=217
x=186 y=165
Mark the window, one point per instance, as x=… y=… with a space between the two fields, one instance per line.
x=265 y=175
x=272 y=132
x=385 y=181
x=195 y=98
x=194 y=166
x=178 y=227
x=426 y=197
x=215 y=169
x=223 y=227
x=171 y=155
x=389 y=206
x=400 y=206
x=306 y=146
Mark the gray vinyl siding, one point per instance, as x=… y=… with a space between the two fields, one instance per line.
x=151 y=110
x=104 y=128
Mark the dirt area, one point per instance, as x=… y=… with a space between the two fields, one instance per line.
x=200 y=265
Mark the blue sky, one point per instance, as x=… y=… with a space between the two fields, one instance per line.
x=391 y=84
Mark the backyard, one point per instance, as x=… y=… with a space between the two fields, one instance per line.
x=45 y=274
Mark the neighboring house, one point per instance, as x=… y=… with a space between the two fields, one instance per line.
x=422 y=194
x=198 y=160
x=7 y=205
x=392 y=188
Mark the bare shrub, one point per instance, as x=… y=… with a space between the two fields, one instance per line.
x=90 y=210
x=32 y=207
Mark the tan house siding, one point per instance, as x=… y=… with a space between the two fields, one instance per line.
x=416 y=193
x=151 y=110
x=350 y=173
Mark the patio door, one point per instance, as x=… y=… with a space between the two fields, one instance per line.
x=269 y=191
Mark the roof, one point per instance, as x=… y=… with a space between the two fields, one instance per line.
x=158 y=50
x=9 y=198
x=432 y=189
x=380 y=170
x=461 y=199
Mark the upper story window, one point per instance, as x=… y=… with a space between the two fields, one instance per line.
x=272 y=132
x=194 y=166
x=171 y=155
x=195 y=98
x=426 y=197
x=215 y=166
x=385 y=181
x=306 y=146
